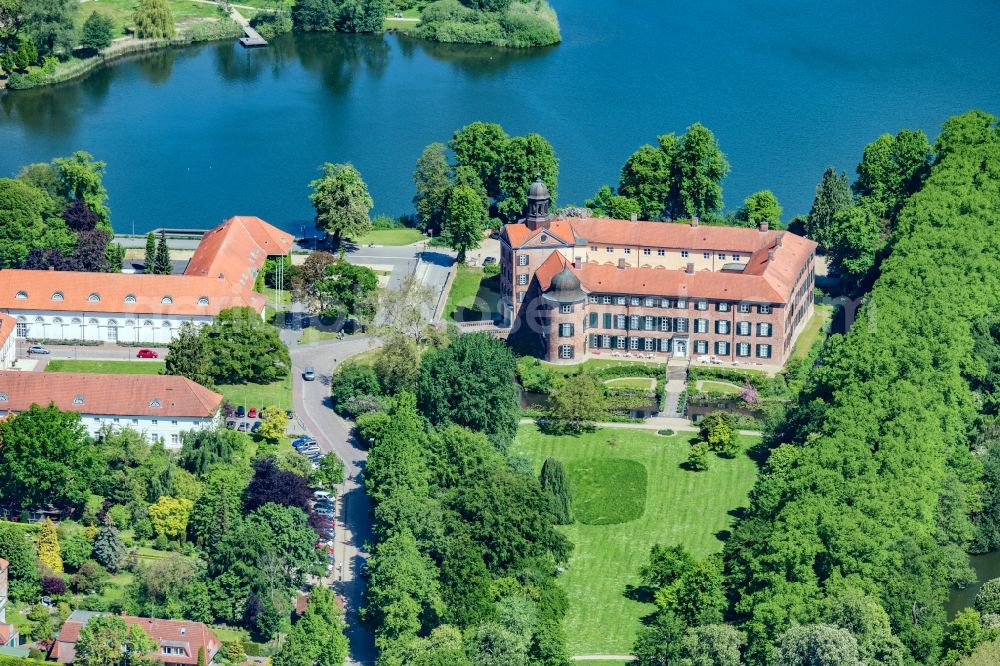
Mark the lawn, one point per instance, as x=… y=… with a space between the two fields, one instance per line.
x=471 y=293
x=258 y=395
x=681 y=507
x=710 y=386
x=400 y=236
x=120 y=11
x=135 y=367
x=641 y=383
x=311 y=334
x=817 y=326
x=593 y=364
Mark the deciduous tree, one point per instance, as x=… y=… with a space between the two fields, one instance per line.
x=576 y=404
x=481 y=146
x=700 y=166
x=554 y=482
x=342 y=202
x=762 y=207
x=274 y=421
x=522 y=160
x=615 y=206
x=647 y=179
x=817 y=645
x=153 y=20
x=464 y=221
x=433 y=185
x=170 y=516
x=107 y=640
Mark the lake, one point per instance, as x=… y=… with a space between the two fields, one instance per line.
x=194 y=135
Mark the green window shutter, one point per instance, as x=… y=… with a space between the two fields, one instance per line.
x=607 y=320
x=593 y=320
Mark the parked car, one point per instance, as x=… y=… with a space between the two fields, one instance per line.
x=252 y=413
x=38 y=349
x=231 y=424
x=321 y=495
x=290 y=414
x=302 y=441
x=146 y=353
x=242 y=426
x=240 y=412
x=309 y=450
x=255 y=427
x=309 y=374
x=489 y=261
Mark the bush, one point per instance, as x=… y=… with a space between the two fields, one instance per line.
x=90 y=579
x=988 y=599
x=53 y=585
x=271 y=24
x=666 y=432
x=521 y=25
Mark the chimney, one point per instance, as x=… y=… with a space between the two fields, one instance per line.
x=763 y=226
x=621 y=263
x=690 y=267
x=577 y=263
x=770 y=255
x=694 y=221
x=635 y=218
x=779 y=240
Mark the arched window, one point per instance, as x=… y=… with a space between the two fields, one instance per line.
x=3 y=397
x=77 y=320
x=112 y=322
x=167 y=300
x=39 y=320
x=92 y=322
x=57 y=296
x=94 y=297
x=203 y=300
x=130 y=298
x=130 y=322
x=57 y=320
x=147 y=323
x=165 y=324
x=21 y=295
x=155 y=402
x=77 y=399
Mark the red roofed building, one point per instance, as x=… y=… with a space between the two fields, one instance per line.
x=179 y=640
x=593 y=286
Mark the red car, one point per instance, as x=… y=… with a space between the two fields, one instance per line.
x=147 y=353
x=252 y=413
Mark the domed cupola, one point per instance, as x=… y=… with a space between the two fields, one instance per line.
x=537 y=214
x=565 y=288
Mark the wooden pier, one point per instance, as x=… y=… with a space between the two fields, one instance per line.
x=251 y=38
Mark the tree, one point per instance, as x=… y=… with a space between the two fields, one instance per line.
x=218 y=510
x=81 y=177
x=647 y=180
x=608 y=204
x=244 y=349
x=23 y=571
x=988 y=597
x=471 y=383
x=362 y=15
x=481 y=146
x=718 y=430
x=170 y=516
x=162 y=265
x=700 y=166
x=523 y=159
x=697 y=460
x=342 y=202
x=51 y=26
x=21 y=222
x=574 y=405
x=78 y=216
x=397 y=364
x=98 y=32
x=494 y=645
x=188 y=354
x=659 y=642
x=315 y=15
x=274 y=421
x=47 y=458
x=317 y=639
x=353 y=380
x=345 y=289
x=857 y=238
x=76 y=549
x=201 y=449
x=891 y=169
x=272 y=485
x=817 y=645
x=433 y=185
x=107 y=640
x=464 y=221
x=965 y=633
x=865 y=618
x=554 y=482
x=403 y=310
x=48 y=547
x=109 y=551
x=329 y=471
x=762 y=207
x=833 y=194
x=712 y=645
x=153 y=20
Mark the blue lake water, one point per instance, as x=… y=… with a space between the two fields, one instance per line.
x=194 y=135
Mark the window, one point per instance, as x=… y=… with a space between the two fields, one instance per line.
x=661 y=253
x=706 y=255
x=522 y=279
x=21 y=295
x=763 y=351
x=681 y=303
x=609 y=250
x=764 y=309
x=22 y=329
x=155 y=402
x=522 y=260
x=606 y=341
x=722 y=256
x=633 y=322
x=743 y=349
x=619 y=300
x=566 y=309
x=593 y=320
x=722 y=348
x=606 y=300
x=628 y=250
x=130 y=298
x=175 y=438
x=607 y=320
x=565 y=330
x=635 y=300
x=701 y=305
x=116 y=419
x=174 y=422
x=78 y=400
x=646 y=251
x=620 y=342
x=593 y=248
x=736 y=257
x=701 y=326
x=4 y=397
x=565 y=351
x=648 y=302
x=94 y=297
x=681 y=325
x=97 y=419
x=154 y=421
x=744 y=308
x=57 y=296
x=684 y=254
x=620 y=321
x=665 y=324
x=664 y=302
x=722 y=307
x=649 y=344
x=648 y=324
x=592 y=298
x=520 y=296
x=633 y=343
x=722 y=326
x=763 y=330
x=135 y=421
x=544 y=238
x=203 y=300
x=167 y=300
x=742 y=328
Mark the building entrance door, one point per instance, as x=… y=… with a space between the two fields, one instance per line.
x=680 y=348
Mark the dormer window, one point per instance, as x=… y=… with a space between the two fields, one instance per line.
x=203 y=300
x=57 y=296
x=21 y=295
x=130 y=298
x=94 y=297
x=155 y=402
x=77 y=399
x=4 y=397
x=544 y=238
x=167 y=300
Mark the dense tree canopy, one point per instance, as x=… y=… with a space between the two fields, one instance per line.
x=342 y=202
x=833 y=194
x=464 y=220
x=153 y=19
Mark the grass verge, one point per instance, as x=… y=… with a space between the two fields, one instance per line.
x=135 y=367
x=641 y=383
x=695 y=509
x=259 y=395
x=709 y=386
x=473 y=297
x=817 y=326
x=400 y=236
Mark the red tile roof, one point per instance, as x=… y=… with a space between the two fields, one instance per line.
x=7 y=632
x=7 y=327
x=115 y=395
x=189 y=636
x=121 y=292
x=236 y=249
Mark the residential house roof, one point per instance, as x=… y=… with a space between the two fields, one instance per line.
x=236 y=249
x=183 y=634
x=92 y=393
x=7 y=327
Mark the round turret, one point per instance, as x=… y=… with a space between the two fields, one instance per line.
x=565 y=288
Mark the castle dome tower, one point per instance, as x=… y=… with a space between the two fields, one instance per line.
x=537 y=214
